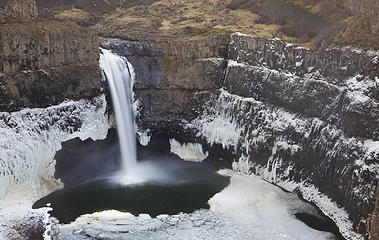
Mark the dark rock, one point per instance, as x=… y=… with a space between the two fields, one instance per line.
x=44 y=63
x=295 y=101
x=17 y=10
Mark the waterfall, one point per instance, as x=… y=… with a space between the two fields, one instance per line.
x=120 y=82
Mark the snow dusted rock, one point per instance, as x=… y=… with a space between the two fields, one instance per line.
x=28 y=143
x=30 y=138
x=285 y=147
x=188 y=151
x=303 y=119
x=339 y=86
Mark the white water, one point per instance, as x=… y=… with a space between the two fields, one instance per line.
x=116 y=70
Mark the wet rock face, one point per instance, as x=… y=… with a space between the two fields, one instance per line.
x=288 y=114
x=44 y=63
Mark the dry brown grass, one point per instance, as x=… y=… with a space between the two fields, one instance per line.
x=190 y=19
x=78 y=16
x=357 y=32
x=310 y=23
x=331 y=10
x=74 y=14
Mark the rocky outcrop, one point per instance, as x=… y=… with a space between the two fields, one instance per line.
x=43 y=63
x=17 y=10
x=172 y=82
x=374 y=233
x=369 y=8
x=336 y=85
x=301 y=119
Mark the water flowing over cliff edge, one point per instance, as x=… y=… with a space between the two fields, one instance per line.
x=305 y=120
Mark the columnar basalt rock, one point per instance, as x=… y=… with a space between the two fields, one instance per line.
x=336 y=85
x=336 y=89
x=17 y=10
x=171 y=83
x=287 y=113
x=45 y=62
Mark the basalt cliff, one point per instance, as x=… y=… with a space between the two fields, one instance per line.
x=305 y=120
x=301 y=119
x=50 y=92
x=43 y=61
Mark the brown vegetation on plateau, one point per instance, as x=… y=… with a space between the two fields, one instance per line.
x=311 y=23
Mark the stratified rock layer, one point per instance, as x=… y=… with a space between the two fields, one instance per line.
x=298 y=118
x=44 y=63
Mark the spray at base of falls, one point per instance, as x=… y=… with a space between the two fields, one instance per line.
x=120 y=74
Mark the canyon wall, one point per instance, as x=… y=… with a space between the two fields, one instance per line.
x=307 y=121
x=369 y=8
x=172 y=78
x=44 y=62
x=17 y=10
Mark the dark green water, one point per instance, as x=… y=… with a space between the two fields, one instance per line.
x=188 y=187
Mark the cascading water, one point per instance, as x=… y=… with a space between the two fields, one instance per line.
x=118 y=73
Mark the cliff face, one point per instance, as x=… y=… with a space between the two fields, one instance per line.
x=375 y=218
x=17 y=10
x=171 y=82
x=326 y=106
x=298 y=118
x=42 y=63
x=369 y=8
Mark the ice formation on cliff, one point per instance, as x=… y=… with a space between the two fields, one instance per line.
x=188 y=151
x=251 y=124
x=31 y=137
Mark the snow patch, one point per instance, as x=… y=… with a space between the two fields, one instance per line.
x=299 y=63
x=360 y=84
x=248 y=208
x=143 y=137
x=243 y=165
x=216 y=61
x=371 y=146
x=255 y=124
x=31 y=137
x=188 y=151
x=263 y=208
x=326 y=205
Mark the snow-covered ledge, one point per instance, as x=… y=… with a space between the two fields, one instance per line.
x=29 y=140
